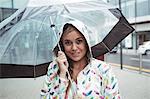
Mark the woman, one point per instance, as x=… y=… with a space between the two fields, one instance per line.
x=90 y=78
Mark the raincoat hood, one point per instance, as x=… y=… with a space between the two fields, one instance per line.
x=83 y=30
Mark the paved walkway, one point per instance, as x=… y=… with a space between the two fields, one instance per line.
x=132 y=86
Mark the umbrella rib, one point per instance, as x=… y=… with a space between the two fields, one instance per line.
x=106 y=46
x=66 y=8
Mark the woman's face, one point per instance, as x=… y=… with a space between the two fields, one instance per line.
x=74 y=45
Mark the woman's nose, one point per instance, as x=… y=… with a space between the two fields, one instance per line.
x=74 y=47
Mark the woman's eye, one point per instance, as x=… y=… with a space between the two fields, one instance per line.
x=79 y=41
x=68 y=43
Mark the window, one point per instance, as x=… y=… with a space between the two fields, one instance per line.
x=142 y=7
x=5 y=13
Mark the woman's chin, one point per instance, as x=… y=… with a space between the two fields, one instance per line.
x=76 y=59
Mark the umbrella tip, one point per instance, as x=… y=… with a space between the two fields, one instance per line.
x=52 y=26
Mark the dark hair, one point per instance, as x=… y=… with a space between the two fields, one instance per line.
x=66 y=29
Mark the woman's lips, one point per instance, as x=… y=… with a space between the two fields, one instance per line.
x=75 y=54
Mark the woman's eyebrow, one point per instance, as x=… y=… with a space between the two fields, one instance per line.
x=79 y=38
x=66 y=40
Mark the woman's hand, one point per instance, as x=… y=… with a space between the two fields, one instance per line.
x=62 y=63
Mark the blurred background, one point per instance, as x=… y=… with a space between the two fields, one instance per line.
x=130 y=59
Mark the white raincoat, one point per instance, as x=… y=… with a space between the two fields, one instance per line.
x=95 y=81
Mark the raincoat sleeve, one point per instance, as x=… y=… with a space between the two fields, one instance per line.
x=110 y=84
x=54 y=85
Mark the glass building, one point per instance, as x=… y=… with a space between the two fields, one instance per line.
x=138 y=14
x=8 y=7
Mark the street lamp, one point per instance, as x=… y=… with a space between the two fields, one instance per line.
x=121 y=58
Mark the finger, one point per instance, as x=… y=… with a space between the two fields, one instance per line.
x=61 y=53
x=62 y=58
x=66 y=64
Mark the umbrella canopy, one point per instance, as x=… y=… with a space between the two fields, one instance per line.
x=30 y=41
x=121 y=30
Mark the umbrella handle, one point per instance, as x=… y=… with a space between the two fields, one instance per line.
x=53 y=28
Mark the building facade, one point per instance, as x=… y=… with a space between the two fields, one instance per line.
x=138 y=14
x=8 y=7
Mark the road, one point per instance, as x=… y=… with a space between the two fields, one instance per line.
x=131 y=60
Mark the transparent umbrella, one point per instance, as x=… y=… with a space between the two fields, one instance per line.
x=31 y=40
